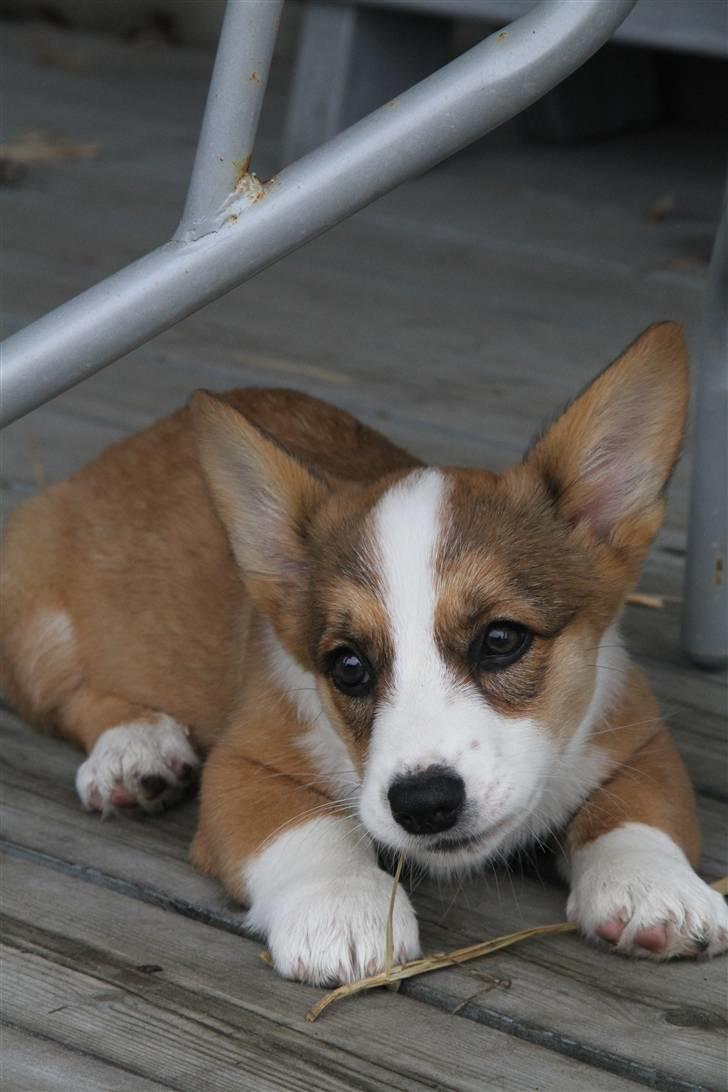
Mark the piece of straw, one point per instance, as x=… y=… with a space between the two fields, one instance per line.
x=37 y=147
x=448 y=959
x=643 y=599
x=389 y=949
x=434 y=963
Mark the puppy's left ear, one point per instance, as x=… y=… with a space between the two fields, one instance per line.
x=263 y=495
x=607 y=460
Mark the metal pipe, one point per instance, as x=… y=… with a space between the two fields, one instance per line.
x=234 y=102
x=440 y=115
x=705 y=598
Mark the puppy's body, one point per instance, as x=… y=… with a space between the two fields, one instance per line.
x=370 y=649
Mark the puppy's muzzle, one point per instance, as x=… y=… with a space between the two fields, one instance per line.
x=428 y=802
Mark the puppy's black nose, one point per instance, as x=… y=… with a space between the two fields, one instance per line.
x=428 y=802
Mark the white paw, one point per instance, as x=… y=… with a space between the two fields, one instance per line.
x=333 y=931
x=147 y=763
x=326 y=922
x=635 y=889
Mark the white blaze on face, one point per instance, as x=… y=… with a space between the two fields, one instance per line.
x=407 y=523
x=429 y=718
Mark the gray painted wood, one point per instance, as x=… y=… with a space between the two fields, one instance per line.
x=214 y=1014
x=631 y=1018
x=34 y=1063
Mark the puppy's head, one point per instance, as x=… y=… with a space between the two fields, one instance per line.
x=454 y=621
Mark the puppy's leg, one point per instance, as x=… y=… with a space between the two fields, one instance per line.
x=632 y=849
x=136 y=756
x=305 y=868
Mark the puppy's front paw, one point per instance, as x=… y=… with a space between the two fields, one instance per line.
x=333 y=931
x=635 y=889
x=149 y=764
x=318 y=897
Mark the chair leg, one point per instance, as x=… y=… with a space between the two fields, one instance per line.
x=234 y=102
x=705 y=607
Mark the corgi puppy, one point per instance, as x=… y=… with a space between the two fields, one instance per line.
x=370 y=652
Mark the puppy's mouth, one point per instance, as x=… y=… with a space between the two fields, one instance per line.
x=451 y=845
x=454 y=844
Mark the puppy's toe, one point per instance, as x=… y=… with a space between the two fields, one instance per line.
x=652 y=939
x=183 y=771
x=610 y=930
x=120 y=798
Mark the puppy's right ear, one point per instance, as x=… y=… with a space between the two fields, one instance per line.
x=264 y=497
x=607 y=460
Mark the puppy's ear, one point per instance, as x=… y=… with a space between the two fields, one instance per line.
x=263 y=495
x=607 y=459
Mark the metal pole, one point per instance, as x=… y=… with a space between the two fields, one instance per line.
x=705 y=599
x=234 y=102
x=464 y=100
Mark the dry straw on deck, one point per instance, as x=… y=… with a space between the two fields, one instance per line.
x=393 y=975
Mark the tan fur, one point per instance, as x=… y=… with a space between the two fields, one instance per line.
x=141 y=571
x=650 y=783
x=258 y=781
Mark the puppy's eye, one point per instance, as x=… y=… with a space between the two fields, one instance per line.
x=351 y=672
x=500 y=644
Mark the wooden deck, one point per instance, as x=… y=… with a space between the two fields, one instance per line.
x=456 y=314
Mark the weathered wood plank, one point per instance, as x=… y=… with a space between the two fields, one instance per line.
x=562 y=989
x=33 y=1063
x=214 y=1012
x=497 y=342
x=175 y=1035
x=668 y=1019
